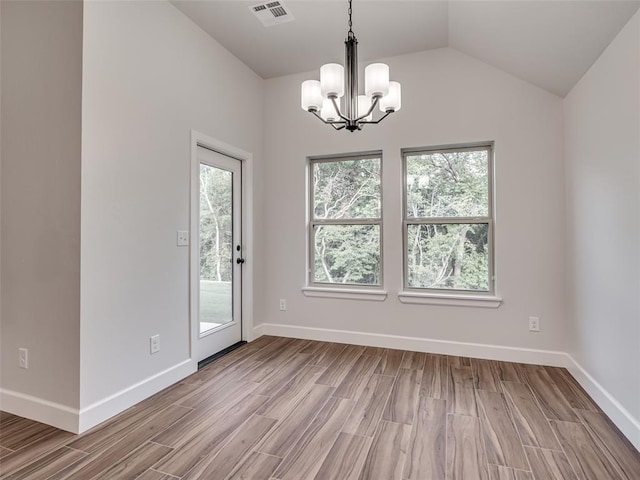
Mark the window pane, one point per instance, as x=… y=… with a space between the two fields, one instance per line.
x=348 y=254
x=448 y=184
x=346 y=189
x=448 y=256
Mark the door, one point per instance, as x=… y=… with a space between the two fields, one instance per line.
x=219 y=298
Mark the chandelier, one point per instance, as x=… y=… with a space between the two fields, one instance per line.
x=335 y=100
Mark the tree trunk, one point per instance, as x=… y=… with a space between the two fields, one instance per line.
x=459 y=255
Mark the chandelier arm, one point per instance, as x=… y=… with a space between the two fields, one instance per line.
x=374 y=104
x=328 y=122
x=380 y=119
x=337 y=107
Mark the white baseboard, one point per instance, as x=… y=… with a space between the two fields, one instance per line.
x=108 y=407
x=629 y=426
x=40 y=410
x=80 y=420
x=619 y=415
x=417 y=344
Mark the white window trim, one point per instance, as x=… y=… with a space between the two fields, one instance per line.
x=433 y=296
x=337 y=290
x=345 y=293
x=457 y=300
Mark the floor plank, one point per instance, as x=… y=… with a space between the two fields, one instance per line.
x=484 y=375
x=4 y=452
x=390 y=363
x=587 y=460
x=357 y=378
x=47 y=465
x=287 y=432
x=466 y=457
x=100 y=461
x=241 y=444
x=257 y=466
x=500 y=436
x=346 y=458
x=292 y=393
x=136 y=463
x=369 y=408
x=554 y=405
x=497 y=472
x=413 y=360
x=305 y=459
x=387 y=455
x=155 y=475
x=570 y=389
x=507 y=372
x=461 y=395
x=426 y=454
x=18 y=459
x=529 y=420
x=435 y=377
x=281 y=376
x=549 y=464
x=327 y=354
x=401 y=406
x=608 y=438
x=207 y=439
x=338 y=369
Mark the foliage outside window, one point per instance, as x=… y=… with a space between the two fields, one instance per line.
x=345 y=227
x=448 y=226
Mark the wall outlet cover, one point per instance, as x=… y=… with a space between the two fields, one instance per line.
x=182 y=238
x=154 y=344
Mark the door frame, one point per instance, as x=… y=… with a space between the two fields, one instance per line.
x=199 y=139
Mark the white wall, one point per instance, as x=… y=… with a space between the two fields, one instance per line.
x=150 y=76
x=41 y=120
x=602 y=129
x=448 y=98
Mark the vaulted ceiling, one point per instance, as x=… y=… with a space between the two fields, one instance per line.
x=548 y=43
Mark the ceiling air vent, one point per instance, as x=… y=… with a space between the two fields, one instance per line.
x=272 y=13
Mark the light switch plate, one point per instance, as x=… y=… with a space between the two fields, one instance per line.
x=182 y=238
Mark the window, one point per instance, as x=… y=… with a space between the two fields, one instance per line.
x=448 y=226
x=345 y=221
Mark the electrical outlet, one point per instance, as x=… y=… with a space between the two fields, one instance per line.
x=283 y=304
x=23 y=357
x=154 y=344
x=534 y=324
x=182 y=238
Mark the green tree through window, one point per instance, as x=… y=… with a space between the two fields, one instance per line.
x=448 y=223
x=345 y=221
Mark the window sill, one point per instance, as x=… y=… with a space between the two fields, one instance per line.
x=349 y=294
x=421 y=298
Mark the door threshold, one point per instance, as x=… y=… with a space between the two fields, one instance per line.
x=221 y=353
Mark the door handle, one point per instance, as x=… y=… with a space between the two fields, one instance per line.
x=239 y=261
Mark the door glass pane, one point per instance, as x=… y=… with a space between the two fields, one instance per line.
x=216 y=247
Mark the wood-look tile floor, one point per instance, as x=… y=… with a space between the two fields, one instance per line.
x=293 y=410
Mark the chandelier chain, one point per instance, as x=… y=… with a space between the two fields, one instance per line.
x=350 y=11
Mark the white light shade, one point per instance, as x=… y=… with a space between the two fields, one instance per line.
x=393 y=99
x=332 y=80
x=376 y=79
x=364 y=103
x=328 y=111
x=311 y=95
